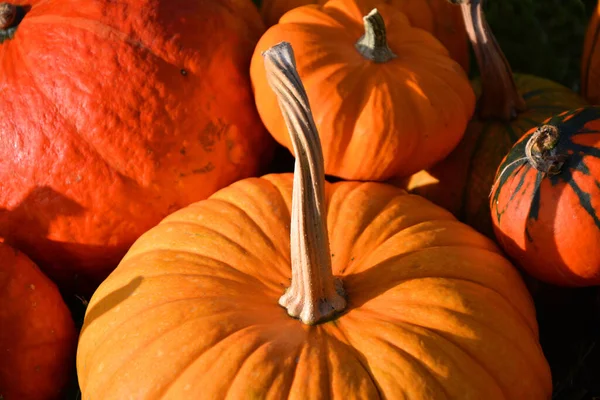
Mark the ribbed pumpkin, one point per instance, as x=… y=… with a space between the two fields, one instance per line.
x=545 y=205
x=590 y=62
x=387 y=103
x=395 y=298
x=37 y=334
x=508 y=106
x=116 y=114
x=436 y=16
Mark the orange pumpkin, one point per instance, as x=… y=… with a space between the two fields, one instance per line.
x=590 y=61
x=387 y=103
x=38 y=337
x=436 y=16
x=545 y=205
x=390 y=296
x=508 y=106
x=120 y=112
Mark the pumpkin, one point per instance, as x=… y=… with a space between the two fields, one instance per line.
x=38 y=337
x=590 y=61
x=508 y=106
x=545 y=204
x=387 y=103
x=389 y=295
x=438 y=17
x=120 y=113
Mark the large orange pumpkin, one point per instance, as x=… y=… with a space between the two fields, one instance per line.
x=590 y=61
x=390 y=296
x=388 y=100
x=37 y=334
x=545 y=205
x=115 y=115
x=436 y=16
x=508 y=106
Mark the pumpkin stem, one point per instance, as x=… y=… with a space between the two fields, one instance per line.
x=8 y=13
x=541 y=150
x=314 y=295
x=500 y=98
x=373 y=44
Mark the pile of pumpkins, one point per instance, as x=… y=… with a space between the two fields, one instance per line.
x=132 y=135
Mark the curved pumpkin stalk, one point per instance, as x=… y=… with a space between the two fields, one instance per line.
x=314 y=295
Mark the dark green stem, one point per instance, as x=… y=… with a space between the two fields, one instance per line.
x=373 y=44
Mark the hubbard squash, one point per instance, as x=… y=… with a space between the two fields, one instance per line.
x=115 y=114
x=388 y=100
x=438 y=17
x=38 y=337
x=545 y=204
x=508 y=106
x=390 y=296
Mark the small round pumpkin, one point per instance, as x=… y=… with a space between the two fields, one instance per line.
x=590 y=61
x=38 y=337
x=545 y=204
x=439 y=17
x=388 y=99
x=508 y=106
x=389 y=296
x=116 y=114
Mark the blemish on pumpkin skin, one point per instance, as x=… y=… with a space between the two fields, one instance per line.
x=183 y=72
x=203 y=170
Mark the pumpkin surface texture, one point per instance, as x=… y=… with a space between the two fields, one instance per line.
x=120 y=113
x=508 y=106
x=436 y=16
x=387 y=98
x=388 y=296
x=590 y=62
x=545 y=205
x=38 y=337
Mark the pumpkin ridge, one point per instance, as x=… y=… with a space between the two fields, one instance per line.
x=440 y=349
x=356 y=354
x=458 y=346
x=234 y=243
x=405 y=355
x=193 y=357
x=260 y=230
x=501 y=295
x=197 y=356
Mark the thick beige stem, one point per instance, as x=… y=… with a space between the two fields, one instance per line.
x=314 y=295
x=500 y=98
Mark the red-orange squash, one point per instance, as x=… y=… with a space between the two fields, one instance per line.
x=390 y=296
x=37 y=334
x=508 y=106
x=545 y=205
x=590 y=61
x=439 y=17
x=116 y=114
x=387 y=98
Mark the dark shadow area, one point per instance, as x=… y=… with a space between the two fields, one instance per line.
x=112 y=300
x=26 y=227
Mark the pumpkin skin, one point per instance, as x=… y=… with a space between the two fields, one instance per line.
x=95 y=153
x=38 y=336
x=434 y=310
x=461 y=183
x=590 y=61
x=550 y=224
x=438 y=17
x=398 y=116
